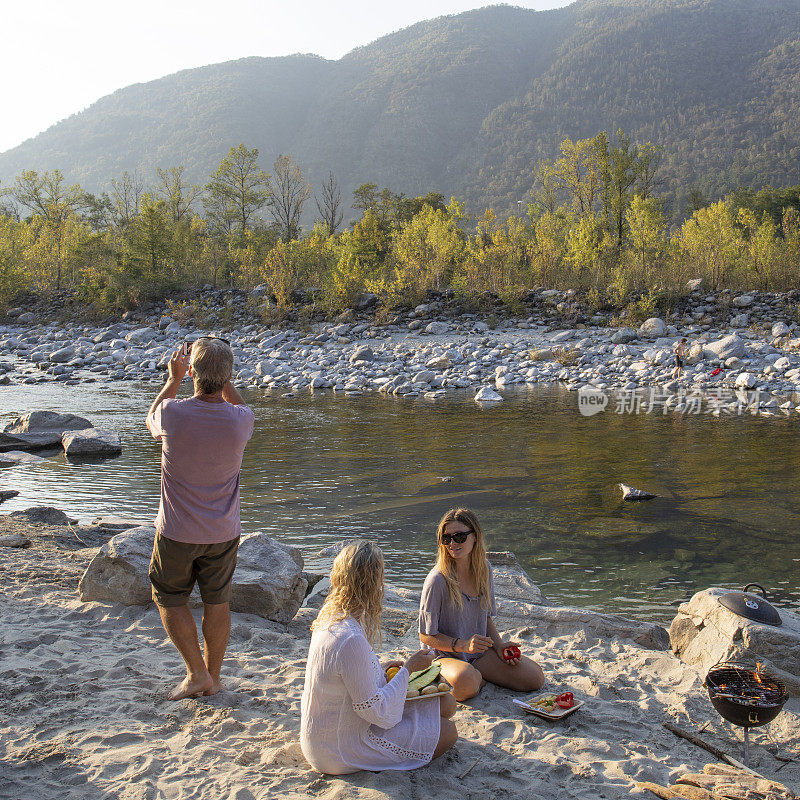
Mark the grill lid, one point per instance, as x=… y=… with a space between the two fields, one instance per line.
x=751 y=606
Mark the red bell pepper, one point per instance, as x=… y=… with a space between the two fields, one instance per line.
x=565 y=700
x=511 y=652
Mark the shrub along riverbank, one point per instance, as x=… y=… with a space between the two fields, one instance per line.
x=594 y=224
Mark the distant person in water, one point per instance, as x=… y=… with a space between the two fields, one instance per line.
x=456 y=610
x=198 y=527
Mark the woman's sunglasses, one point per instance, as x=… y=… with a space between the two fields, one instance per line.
x=458 y=538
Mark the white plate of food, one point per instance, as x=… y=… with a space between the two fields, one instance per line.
x=545 y=706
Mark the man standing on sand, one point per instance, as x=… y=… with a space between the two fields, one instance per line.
x=198 y=527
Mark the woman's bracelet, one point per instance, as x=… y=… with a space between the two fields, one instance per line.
x=454 y=645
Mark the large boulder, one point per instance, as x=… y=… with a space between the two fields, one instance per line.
x=268 y=581
x=513 y=588
x=653 y=328
x=39 y=429
x=727 y=346
x=623 y=336
x=91 y=443
x=705 y=632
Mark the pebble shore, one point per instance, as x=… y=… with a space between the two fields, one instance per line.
x=753 y=354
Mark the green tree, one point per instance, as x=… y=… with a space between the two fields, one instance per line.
x=237 y=190
x=647 y=236
x=177 y=194
x=50 y=199
x=711 y=240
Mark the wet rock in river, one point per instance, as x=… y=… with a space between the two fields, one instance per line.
x=91 y=443
x=632 y=495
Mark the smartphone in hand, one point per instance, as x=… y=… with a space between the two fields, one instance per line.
x=186 y=348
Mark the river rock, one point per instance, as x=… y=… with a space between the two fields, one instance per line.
x=437 y=328
x=363 y=353
x=632 y=495
x=63 y=355
x=268 y=580
x=704 y=633
x=141 y=336
x=653 y=328
x=45 y=514
x=739 y=321
x=488 y=395
x=39 y=429
x=623 y=336
x=14 y=540
x=746 y=380
x=514 y=590
x=726 y=347
x=743 y=300
x=7 y=494
x=694 y=284
x=562 y=336
x=780 y=329
x=91 y=442
x=13 y=457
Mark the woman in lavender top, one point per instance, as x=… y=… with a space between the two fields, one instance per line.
x=456 y=610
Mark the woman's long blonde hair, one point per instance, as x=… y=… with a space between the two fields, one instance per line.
x=478 y=565
x=356 y=590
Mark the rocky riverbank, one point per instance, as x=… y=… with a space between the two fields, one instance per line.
x=746 y=344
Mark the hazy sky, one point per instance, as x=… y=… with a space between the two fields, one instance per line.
x=59 y=56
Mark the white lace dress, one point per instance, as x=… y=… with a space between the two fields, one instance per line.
x=351 y=718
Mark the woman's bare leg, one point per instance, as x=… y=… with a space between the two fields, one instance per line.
x=448 y=736
x=463 y=677
x=527 y=676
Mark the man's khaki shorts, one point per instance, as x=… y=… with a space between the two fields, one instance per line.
x=175 y=566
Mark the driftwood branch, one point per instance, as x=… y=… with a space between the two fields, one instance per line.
x=715 y=751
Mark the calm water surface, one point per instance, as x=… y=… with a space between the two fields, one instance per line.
x=542 y=477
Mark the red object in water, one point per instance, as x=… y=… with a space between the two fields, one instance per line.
x=565 y=700
x=716 y=371
x=512 y=652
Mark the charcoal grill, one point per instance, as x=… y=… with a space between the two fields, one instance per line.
x=745 y=697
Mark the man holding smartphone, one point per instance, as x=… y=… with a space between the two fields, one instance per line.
x=198 y=525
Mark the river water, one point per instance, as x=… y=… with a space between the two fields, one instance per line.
x=543 y=478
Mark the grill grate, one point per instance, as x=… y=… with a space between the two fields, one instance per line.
x=746 y=687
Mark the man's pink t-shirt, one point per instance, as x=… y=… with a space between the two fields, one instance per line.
x=202 y=444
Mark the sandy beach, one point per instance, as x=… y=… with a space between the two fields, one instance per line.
x=85 y=715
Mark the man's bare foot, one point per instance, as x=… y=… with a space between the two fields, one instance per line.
x=192 y=687
x=216 y=686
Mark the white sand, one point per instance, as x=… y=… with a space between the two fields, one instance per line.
x=84 y=711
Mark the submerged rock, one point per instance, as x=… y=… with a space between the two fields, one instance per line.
x=39 y=429
x=633 y=495
x=7 y=494
x=488 y=395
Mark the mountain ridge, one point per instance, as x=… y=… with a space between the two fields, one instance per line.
x=466 y=104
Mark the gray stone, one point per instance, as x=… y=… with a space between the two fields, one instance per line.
x=780 y=329
x=365 y=301
x=7 y=494
x=14 y=540
x=542 y=354
x=743 y=300
x=438 y=362
x=437 y=328
x=268 y=580
x=653 y=328
x=562 y=336
x=739 y=321
x=141 y=336
x=46 y=514
x=694 y=284
x=92 y=442
x=704 y=633
x=27 y=318
x=514 y=590
x=362 y=353
x=623 y=335
x=488 y=395
x=11 y=458
x=726 y=347
x=746 y=380
x=424 y=376
x=632 y=495
x=63 y=355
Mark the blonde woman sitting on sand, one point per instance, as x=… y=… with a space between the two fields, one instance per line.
x=456 y=610
x=351 y=717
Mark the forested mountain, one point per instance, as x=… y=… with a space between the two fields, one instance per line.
x=468 y=104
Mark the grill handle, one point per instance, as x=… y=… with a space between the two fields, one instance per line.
x=757 y=586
